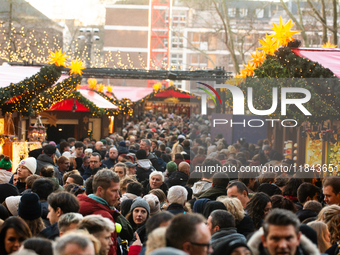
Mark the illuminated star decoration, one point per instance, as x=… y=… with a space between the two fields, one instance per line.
x=283 y=33
x=269 y=45
x=76 y=67
x=58 y=58
x=100 y=87
x=258 y=58
x=92 y=83
x=109 y=89
x=248 y=70
x=328 y=45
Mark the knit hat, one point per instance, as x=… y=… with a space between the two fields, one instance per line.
x=5 y=163
x=171 y=167
x=153 y=202
x=228 y=245
x=211 y=206
x=49 y=149
x=267 y=148
x=30 y=163
x=30 y=207
x=270 y=189
x=7 y=190
x=140 y=202
x=199 y=205
x=141 y=154
x=12 y=204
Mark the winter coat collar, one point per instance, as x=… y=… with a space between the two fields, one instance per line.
x=306 y=246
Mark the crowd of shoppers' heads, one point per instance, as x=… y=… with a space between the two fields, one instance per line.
x=163 y=184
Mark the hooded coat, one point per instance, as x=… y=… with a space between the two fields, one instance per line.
x=305 y=247
x=225 y=233
x=89 y=206
x=200 y=187
x=144 y=169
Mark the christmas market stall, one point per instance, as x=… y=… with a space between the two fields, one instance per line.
x=170 y=100
x=306 y=137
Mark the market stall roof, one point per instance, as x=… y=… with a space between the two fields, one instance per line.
x=133 y=93
x=16 y=74
x=170 y=92
x=68 y=104
x=329 y=58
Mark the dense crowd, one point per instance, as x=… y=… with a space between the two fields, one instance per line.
x=162 y=186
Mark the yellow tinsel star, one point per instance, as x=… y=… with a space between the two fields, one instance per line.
x=76 y=67
x=328 y=45
x=58 y=58
x=101 y=87
x=235 y=80
x=282 y=34
x=258 y=58
x=248 y=69
x=109 y=89
x=239 y=76
x=269 y=45
x=92 y=83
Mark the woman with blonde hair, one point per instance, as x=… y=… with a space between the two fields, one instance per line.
x=156 y=240
x=323 y=235
x=177 y=149
x=331 y=216
x=244 y=224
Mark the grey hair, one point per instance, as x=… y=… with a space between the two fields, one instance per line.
x=79 y=238
x=177 y=194
x=147 y=141
x=96 y=223
x=67 y=219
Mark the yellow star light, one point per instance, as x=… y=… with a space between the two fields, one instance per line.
x=58 y=58
x=258 y=58
x=269 y=45
x=76 y=67
x=236 y=80
x=328 y=45
x=92 y=83
x=109 y=89
x=282 y=34
x=100 y=87
x=248 y=69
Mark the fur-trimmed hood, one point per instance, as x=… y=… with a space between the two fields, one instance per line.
x=306 y=246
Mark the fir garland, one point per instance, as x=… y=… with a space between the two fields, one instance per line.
x=23 y=93
x=53 y=95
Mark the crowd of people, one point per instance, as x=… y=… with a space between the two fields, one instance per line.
x=160 y=187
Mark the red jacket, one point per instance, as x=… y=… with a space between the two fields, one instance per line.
x=89 y=206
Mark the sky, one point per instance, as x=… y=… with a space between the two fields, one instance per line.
x=90 y=12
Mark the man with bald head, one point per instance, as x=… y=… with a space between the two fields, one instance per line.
x=113 y=158
x=181 y=176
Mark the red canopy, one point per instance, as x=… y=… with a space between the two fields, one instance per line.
x=329 y=58
x=67 y=105
x=172 y=93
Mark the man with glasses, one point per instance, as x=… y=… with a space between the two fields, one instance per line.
x=189 y=233
x=95 y=161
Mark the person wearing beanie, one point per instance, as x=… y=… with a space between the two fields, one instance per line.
x=26 y=168
x=144 y=166
x=171 y=167
x=232 y=245
x=30 y=211
x=6 y=164
x=139 y=213
x=153 y=202
x=7 y=190
x=12 y=204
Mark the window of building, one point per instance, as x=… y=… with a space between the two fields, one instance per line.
x=198 y=60
x=259 y=13
x=176 y=61
x=177 y=40
x=243 y=12
x=231 y=12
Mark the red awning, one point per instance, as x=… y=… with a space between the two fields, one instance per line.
x=329 y=58
x=172 y=93
x=67 y=105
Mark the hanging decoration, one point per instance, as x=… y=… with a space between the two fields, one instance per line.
x=37 y=133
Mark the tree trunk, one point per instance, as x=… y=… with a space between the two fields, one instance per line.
x=335 y=20
x=324 y=27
